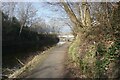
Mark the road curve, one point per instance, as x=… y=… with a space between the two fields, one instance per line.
x=53 y=66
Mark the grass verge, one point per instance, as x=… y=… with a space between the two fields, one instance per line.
x=73 y=50
x=31 y=64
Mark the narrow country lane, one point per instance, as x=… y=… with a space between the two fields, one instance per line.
x=53 y=66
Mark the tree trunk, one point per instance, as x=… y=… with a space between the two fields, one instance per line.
x=72 y=16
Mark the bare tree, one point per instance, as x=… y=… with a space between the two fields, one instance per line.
x=9 y=8
x=26 y=14
x=72 y=16
x=80 y=21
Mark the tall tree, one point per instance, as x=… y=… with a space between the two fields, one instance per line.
x=9 y=9
x=26 y=14
x=84 y=14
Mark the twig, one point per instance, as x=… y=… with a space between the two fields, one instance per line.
x=20 y=62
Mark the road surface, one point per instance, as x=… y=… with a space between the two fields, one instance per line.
x=53 y=66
